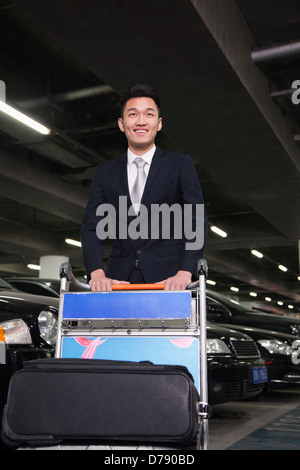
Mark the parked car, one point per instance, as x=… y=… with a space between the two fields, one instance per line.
x=39 y=286
x=223 y=310
x=276 y=349
x=235 y=367
x=28 y=326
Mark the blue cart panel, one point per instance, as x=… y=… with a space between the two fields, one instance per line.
x=127 y=305
x=173 y=350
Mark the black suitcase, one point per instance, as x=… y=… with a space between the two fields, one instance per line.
x=55 y=400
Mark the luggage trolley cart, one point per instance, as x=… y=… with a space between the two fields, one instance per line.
x=147 y=382
x=139 y=323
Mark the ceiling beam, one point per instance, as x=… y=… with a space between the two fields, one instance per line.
x=228 y=27
x=28 y=181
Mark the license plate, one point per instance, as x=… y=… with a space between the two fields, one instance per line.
x=259 y=375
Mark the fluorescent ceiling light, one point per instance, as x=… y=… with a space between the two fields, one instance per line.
x=268 y=299
x=279 y=302
x=34 y=266
x=5 y=108
x=253 y=294
x=212 y=283
x=218 y=231
x=282 y=268
x=73 y=242
x=234 y=289
x=291 y=306
x=257 y=254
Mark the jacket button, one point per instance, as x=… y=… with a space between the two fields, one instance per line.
x=138 y=252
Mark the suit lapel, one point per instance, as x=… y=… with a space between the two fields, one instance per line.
x=153 y=172
x=122 y=168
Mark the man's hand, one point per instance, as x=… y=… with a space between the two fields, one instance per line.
x=178 y=282
x=100 y=283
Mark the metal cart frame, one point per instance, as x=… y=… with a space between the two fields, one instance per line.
x=193 y=327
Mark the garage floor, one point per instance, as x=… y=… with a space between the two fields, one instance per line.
x=269 y=422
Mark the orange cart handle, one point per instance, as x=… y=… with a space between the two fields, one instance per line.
x=138 y=286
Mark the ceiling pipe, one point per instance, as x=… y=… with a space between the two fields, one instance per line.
x=66 y=96
x=279 y=51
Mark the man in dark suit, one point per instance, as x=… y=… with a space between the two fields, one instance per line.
x=150 y=243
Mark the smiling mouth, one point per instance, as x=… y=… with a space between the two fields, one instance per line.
x=140 y=131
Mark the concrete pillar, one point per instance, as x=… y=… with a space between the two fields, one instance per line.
x=50 y=266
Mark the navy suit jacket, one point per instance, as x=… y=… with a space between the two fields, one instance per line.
x=172 y=179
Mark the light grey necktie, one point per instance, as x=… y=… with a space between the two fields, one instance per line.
x=139 y=183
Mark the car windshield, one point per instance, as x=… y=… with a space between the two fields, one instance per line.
x=5 y=285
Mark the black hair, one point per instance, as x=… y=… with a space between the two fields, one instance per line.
x=139 y=90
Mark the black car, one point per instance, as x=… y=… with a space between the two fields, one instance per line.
x=223 y=310
x=277 y=350
x=28 y=326
x=235 y=367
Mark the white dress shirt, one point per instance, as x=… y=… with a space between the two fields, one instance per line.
x=131 y=167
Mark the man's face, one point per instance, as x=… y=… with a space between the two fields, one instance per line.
x=140 y=122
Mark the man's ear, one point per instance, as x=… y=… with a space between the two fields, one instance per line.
x=159 y=124
x=120 y=123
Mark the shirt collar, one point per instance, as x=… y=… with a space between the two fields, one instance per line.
x=147 y=156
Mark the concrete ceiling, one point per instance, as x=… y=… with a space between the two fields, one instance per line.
x=66 y=62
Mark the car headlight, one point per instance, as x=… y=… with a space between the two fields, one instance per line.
x=48 y=326
x=216 y=346
x=275 y=346
x=15 y=332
